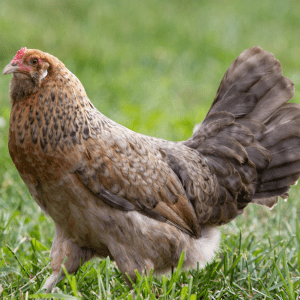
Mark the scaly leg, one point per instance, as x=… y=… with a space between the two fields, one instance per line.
x=63 y=247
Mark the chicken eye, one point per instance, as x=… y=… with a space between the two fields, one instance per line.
x=34 y=61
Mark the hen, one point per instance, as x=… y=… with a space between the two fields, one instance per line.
x=143 y=200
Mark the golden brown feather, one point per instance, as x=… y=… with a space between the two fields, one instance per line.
x=143 y=200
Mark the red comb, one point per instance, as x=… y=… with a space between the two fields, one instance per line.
x=19 y=54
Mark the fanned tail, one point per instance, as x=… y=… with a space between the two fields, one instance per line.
x=282 y=139
x=250 y=137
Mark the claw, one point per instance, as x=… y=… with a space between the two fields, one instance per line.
x=51 y=282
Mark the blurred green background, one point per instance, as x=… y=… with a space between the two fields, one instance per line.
x=153 y=66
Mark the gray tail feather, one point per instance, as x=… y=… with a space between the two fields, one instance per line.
x=251 y=136
x=282 y=139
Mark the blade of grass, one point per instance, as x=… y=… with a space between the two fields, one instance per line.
x=291 y=296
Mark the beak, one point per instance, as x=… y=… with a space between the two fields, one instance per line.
x=11 y=68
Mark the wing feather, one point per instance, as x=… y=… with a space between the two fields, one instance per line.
x=134 y=175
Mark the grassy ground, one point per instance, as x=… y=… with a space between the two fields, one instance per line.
x=153 y=66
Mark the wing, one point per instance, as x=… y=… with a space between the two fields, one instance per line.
x=198 y=179
x=130 y=172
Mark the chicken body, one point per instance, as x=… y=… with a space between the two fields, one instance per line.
x=142 y=200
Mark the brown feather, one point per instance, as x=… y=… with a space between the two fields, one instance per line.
x=139 y=199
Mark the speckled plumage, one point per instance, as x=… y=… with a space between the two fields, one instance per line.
x=139 y=199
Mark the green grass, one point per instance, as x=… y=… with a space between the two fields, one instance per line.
x=153 y=66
